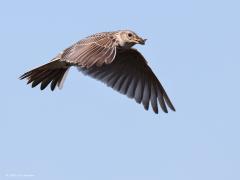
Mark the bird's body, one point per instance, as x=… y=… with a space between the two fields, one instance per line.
x=110 y=58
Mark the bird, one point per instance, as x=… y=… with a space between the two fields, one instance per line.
x=110 y=58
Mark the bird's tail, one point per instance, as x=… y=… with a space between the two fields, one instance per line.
x=53 y=72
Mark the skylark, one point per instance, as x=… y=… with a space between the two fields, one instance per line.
x=110 y=58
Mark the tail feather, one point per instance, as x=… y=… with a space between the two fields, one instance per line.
x=36 y=81
x=57 y=79
x=53 y=75
x=52 y=72
x=62 y=79
x=36 y=75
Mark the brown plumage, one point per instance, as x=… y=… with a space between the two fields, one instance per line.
x=110 y=58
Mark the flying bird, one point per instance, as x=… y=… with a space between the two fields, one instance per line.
x=110 y=58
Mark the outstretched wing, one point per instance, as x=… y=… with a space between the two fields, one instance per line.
x=129 y=74
x=96 y=50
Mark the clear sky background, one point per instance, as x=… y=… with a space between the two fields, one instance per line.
x=88 y=131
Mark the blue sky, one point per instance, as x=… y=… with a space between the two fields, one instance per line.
x=88 y=131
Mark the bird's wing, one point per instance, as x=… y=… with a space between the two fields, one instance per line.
x=97 y=50
x=129 y=74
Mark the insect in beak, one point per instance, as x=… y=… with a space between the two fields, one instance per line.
x=140 y=40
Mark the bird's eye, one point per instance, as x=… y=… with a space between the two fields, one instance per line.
x=130 y=35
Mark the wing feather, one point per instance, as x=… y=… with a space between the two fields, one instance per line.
x=97 y=50
x=139 y=89
x=129 y=74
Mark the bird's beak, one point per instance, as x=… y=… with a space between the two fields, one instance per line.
x=140 y=40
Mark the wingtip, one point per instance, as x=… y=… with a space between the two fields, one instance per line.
x=156 y=112
x=146 y=106
x=173 y=109
x=165 y=110
x=22 y=76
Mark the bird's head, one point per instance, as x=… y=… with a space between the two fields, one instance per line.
x=129 y=38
